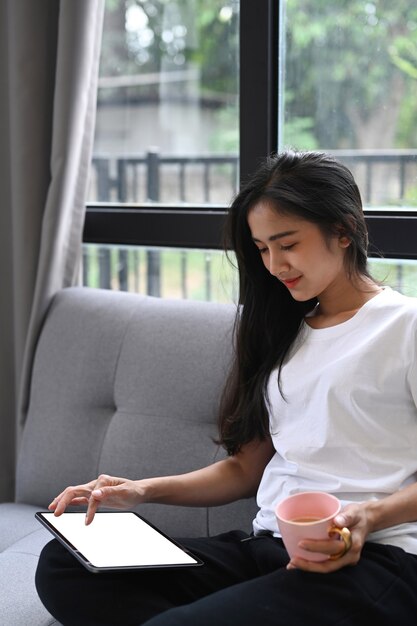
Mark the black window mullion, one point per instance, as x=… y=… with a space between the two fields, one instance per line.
x=258 y=90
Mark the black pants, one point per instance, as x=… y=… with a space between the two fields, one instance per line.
x=243 y=583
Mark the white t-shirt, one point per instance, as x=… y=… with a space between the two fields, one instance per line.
x=348 y=424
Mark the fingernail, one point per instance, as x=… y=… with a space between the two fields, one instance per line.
x=97 y=492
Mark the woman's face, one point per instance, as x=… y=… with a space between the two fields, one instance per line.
x=296 y=252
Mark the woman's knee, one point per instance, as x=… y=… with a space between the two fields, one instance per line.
x=53 y=575
x=52 y=560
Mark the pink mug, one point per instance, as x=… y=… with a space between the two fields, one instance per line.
x=307 y=515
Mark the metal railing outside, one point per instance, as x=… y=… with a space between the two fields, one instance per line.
x=156 y=178
x=385 y=177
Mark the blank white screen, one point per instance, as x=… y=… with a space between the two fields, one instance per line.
x=119 y=539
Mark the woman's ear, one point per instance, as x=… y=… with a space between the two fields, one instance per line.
x=344 y=241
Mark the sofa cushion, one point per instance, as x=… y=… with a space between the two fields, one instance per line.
x=21 y=541
x=126 y=385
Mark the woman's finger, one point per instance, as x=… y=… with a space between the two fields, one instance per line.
x=91 y=508
x=96 y=495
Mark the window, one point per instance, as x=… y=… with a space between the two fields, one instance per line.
x=166 y=146
x=194 y=92
x=167 y=126
x=349 y=87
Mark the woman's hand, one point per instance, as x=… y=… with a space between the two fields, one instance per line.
x=109 y=491
x=355 y=518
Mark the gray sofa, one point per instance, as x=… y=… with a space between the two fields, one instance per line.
x=122 y=384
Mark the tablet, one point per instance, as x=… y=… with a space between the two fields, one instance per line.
x=116 y=540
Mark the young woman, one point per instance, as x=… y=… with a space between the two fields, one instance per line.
x=322 y=396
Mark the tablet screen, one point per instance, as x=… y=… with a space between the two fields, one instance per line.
x=114 y=540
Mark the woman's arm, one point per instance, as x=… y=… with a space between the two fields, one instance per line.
x=397 y=508
x=233 y=478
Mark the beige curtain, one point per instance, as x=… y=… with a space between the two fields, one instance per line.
x=48 y=78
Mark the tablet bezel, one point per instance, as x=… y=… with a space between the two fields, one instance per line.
x=45 y=517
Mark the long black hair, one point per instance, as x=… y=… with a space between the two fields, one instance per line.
x=315 y=187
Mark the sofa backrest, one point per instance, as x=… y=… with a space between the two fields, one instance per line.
x=128 y=385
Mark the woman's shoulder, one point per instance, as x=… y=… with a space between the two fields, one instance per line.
x=397 y=298
x=395 y=304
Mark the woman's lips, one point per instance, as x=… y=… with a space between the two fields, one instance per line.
x=291 y=283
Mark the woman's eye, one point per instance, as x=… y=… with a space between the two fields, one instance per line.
x=285 y=248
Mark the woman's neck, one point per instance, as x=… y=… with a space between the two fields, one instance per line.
x=336 y=308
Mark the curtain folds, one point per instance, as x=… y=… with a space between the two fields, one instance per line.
x=48 y=73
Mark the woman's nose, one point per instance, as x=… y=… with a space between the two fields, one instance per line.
x=277 y=265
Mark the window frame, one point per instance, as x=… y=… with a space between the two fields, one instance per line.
x=392 y=231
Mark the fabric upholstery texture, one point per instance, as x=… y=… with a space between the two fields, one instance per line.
x=122 y=384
